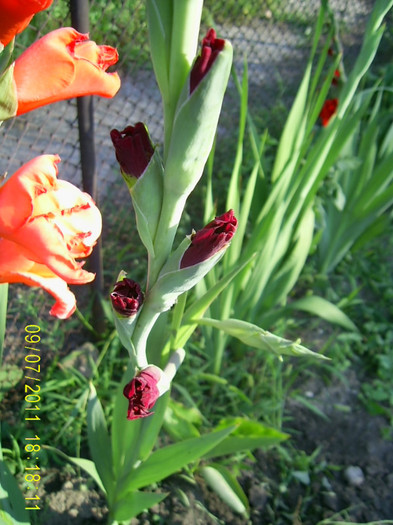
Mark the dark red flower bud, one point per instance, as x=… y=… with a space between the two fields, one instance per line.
x=142 y=392
x=133 y=149
x=328 y=110
x=211 y=239
x=336 y=77
x=211 y=46
x=127 y=297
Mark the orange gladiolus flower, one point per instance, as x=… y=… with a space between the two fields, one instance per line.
x=45 y=224
x=16 y=16
x=63 y=64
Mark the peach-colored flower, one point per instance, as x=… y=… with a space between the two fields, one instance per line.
x=63 y=64
x=45 y=225
x=16 y=16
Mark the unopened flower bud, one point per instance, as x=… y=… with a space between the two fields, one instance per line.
x=212 y=238
x=149 y=384
x=127 y=297
x=328 y=110
x=142 y=392
x=211 y=46
x=133 y=149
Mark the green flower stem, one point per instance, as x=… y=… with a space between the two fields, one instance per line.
x=3 y=315
x=144 y=325
x=171 y=212
x=184 y=43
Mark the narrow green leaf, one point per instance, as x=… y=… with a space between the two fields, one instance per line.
x=226 y=486
x=12 y=503
x=167 y=460
x=99 y=442
x=325 y=309
x=200 y=306
x=181 y=422
x=159 y=17
x=248 y=435
x=3 y=316
x=294 y=127
x=135 y=502
x=86 y=464
x=125 y=434
x=233 y=195
x=256 y=337
x=151 y=427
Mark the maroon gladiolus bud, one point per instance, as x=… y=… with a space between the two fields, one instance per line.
x=127 y=297
x=328 y=110
x=142 y=392
x=336 y=77
x=211 y=46
x=211 y=239
x=133 y=149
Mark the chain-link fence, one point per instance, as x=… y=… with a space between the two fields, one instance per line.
x=273 y=35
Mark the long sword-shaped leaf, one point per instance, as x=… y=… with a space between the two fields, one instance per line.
x=200 y=306
x=135 y=502
x=99 y=442
x=167 y=460
x=12 y=504
x=256 y=337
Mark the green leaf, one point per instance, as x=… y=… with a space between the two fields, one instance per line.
x=325 y=309
x=227 y=487
x=293 y=133
x=3 y=315
x=86 y=464
x=8 y=97
x=159 y=17
x=12 y=503
x=151 y=427
x=179 y=421
x=167 y=460
x=10 y=375
x=248 y=435
x=252 y=335
x=135 y=502
x=199 y=306
x=99 y=442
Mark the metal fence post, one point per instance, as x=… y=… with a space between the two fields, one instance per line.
x=80 y=21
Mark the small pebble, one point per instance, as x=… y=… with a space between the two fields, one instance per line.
x=330 y=500
x=354 y=476
x=68 y=485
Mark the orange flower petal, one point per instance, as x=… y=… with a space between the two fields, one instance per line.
x=16 y=268
x=16 y=16
x=45 y=224
x=63 y=64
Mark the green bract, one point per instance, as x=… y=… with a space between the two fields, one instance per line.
x=8 y=99
x=146 y=194
x=193 y=133
x=174 y=281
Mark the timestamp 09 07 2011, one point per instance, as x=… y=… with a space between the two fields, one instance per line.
x=32 y=446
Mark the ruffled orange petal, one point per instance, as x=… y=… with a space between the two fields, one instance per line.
x=16 y=268
x=19 y=194
x=63 y=64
